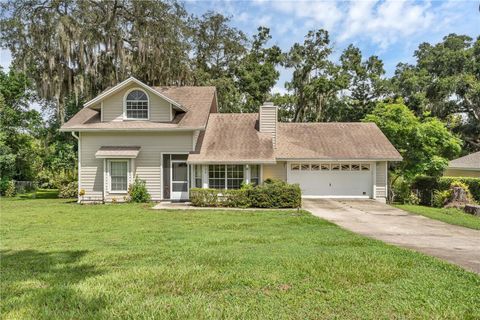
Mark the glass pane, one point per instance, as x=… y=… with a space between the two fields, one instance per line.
x=335 y=167
x=179 y=186
x=216 y=183
x=325 y=167
x=198 y=183
x=179 y=171
x=365 y=167
x=254 y=171
x=315 y=167
x=137 y=95
x=295 y=167
x=305 y=167
x=118 y=176
x=345 y=167
x=179 y=156
x=355 y=167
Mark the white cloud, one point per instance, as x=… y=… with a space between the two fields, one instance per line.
x=264 y=20
x=386 y=22
x=242 y=17
x=324 y=13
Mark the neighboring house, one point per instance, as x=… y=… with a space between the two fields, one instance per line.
x=174 y=139
x=468 y=166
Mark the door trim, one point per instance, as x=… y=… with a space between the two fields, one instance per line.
x=171 y=177
x=161 y=170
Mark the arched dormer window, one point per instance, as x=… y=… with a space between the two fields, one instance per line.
x=136 y=105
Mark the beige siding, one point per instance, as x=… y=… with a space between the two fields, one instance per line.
x=268 y=120
x=275 y=171
x=461 y=173
x=113 y=106
x=146 y=166
x=381 y=179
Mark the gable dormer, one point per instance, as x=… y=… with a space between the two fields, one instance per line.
x=132 y=100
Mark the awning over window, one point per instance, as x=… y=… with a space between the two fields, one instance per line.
x=117 y=152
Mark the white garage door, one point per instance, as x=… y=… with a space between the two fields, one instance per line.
x=332 y=179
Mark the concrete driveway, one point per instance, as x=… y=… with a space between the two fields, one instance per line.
x=373 y=219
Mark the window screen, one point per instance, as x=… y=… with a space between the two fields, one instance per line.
x=118 y=176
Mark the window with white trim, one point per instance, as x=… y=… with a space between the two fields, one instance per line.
x=222 y=176
x=119 y=175
x=136 y=105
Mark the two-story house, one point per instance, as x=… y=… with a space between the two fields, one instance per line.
x=174 y=139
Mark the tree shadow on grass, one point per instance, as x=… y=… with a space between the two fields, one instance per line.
x=42 y=285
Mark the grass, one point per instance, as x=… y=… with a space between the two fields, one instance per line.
x=63 y=260
x=450 y=215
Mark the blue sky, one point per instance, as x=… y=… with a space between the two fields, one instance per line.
x=391 y=30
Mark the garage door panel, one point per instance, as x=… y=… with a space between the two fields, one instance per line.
x=333 y=183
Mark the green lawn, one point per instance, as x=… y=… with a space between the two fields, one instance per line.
x=451 y=215
x=63 y=260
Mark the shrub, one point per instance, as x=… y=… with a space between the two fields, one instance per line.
x=10 y=190
x=3 y=186
x=412 y=199
x=68 y=190
x=204 y=197
x=236 y=198
x=138 y=192
x=426 y=186
x=440 y=198
x=276 y=194
x=473 y=185
x=401 y=190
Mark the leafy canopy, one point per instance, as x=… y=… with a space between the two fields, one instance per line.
x=425 y=144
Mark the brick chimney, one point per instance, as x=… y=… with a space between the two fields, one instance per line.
x=268 y=116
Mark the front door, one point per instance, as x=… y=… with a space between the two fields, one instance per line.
x=179 y=174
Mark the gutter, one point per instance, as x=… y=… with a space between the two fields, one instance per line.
x=131 y=129
x=79 y=170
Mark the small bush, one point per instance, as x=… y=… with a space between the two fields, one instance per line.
x=138 y=192
x=412 y=199
x=276 y=194
x=236 y=198
x=3 y=186
x=204 y=197
x=440 y=198
x=401 y=190
x=69 y=190
x=470 y=185
x=10 y=190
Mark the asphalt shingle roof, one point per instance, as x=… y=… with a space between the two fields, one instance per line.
x=471 y=161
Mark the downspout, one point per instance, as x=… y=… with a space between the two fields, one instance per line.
x=79 y=163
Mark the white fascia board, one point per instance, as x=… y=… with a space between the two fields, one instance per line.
x=126 y=83
x=231 y=162
x=130 y=130
x=335 y=159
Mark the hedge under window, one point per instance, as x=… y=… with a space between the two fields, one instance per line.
x=137 y=105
